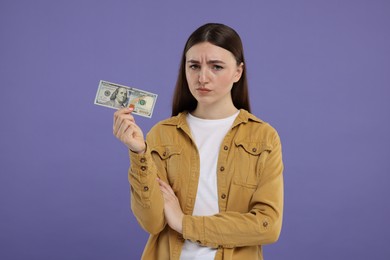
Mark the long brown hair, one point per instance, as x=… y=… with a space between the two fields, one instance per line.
x=224 y=37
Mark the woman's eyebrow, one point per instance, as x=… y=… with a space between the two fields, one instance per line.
x=193 y=61
x=215 y=61
x=208 y=62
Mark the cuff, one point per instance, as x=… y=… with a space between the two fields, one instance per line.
x=140 y=163
x=193 y=229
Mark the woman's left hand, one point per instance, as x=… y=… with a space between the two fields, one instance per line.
x=172 y=210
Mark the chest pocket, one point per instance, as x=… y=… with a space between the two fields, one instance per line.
x=169 y=157
x=251 y=159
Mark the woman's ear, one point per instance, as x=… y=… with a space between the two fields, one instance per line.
x=240 y=69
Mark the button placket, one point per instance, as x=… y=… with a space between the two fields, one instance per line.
x=222 y=177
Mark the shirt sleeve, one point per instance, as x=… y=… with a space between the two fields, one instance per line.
x=146 y=200
x=261 y=225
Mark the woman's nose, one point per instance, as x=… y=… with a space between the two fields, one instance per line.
x=203 y=76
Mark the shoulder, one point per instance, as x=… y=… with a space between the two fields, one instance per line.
x=172 y=122
x=167 y=128
x=252 y=128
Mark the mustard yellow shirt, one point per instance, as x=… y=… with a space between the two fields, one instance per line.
x=250 y=189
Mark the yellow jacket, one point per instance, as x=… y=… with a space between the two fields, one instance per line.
x=250 y=189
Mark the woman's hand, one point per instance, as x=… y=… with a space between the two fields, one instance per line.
x=172 y=211
x=127 y=131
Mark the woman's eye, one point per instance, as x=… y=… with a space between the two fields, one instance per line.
x=194 y=66
x=217 y=67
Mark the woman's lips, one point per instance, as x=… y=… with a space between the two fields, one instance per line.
x=203 y=90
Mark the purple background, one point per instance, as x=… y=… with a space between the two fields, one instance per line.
x=319 y=72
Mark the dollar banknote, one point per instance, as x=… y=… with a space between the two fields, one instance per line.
x=118 y=96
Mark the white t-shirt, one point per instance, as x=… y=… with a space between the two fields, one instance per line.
x=208 y=136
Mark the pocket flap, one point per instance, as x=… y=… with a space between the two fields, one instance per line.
x=254 y=148
x=166 y=151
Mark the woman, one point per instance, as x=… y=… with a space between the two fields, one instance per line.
x=207 y=183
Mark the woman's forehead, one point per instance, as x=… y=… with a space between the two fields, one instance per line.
x=209 y=51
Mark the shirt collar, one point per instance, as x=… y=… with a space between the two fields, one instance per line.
x=180 y=120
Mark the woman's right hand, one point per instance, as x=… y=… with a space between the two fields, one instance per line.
x=127 y=131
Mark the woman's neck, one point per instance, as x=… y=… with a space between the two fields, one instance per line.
x=213 y=112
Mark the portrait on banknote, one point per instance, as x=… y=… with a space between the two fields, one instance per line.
x=118 y=98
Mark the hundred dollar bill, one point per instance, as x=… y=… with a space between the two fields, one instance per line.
x=118 y=96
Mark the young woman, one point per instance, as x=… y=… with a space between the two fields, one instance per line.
x=207 y=183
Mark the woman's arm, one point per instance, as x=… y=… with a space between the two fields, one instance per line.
x=146 y=199
x=261 y=225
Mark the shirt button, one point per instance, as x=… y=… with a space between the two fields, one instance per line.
x=223 y=196
x=225 y=147
x=254 y=150
x=222 y=168
x=265 y=224
x=146 y=188
x=143 y=168
x=143 y=160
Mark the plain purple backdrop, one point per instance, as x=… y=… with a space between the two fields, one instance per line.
x=319 y=72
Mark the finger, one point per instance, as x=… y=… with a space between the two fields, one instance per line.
x=162 y=186
x=168 y=197
x=117 y=119
x=122 y=112
x=127 y=128
x=121 y=119
x=123 y=131
x=118 y=127
x=166 y=187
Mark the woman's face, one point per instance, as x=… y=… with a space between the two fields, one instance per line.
x=211 y=72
